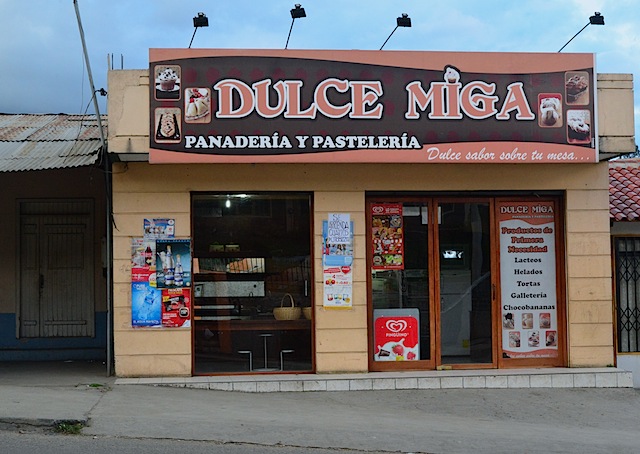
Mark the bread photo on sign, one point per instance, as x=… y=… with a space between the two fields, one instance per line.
x=578 y=126
x=576 y=87
x=550 y=112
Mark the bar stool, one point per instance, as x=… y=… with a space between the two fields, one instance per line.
x=266 y=367
x=250 y=353
x=282 y=352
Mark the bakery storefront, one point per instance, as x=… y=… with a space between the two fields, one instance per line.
x=360 y=211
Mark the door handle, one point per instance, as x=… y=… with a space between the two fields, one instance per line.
x=40 y=284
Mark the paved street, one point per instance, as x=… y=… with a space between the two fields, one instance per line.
x=570 y=420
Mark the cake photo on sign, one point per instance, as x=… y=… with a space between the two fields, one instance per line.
x=196 y=108
x=576 y=87
x=578 y=126
x=167 y=81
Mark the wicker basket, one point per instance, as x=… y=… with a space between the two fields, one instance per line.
x=307 y=311
x=287 y=313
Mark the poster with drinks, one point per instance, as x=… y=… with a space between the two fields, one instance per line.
x=528 y=279
x=397 y=334
x=146 y=310
x=143 y=265
x=145 y=297
x=387 y=236
x=176 y=307
x=173 y=263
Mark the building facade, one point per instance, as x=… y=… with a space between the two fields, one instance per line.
x=319 y=212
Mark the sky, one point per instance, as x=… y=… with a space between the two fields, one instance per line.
x=44 y=69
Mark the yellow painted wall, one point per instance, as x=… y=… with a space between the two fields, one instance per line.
x=141 y=190
x=144 y=191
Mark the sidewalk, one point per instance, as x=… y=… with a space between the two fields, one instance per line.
x=585 y=420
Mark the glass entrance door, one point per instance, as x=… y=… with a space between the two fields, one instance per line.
x=400 y=291
x=431 y=283
x=464 y=283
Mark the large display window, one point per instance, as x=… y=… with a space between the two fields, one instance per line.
x=252 y=283
x=465 y=282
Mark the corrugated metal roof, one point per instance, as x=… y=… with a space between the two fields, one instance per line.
x=51 y=141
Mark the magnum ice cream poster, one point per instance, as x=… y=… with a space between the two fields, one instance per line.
x=371 y=106
x=529 y=313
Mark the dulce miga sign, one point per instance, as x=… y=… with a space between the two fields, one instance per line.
x=370 y=106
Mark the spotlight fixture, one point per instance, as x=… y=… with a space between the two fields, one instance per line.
x=596 y=19
x=201 y=20
x=402 y=21
x=296 y=13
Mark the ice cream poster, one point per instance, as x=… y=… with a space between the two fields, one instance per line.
x=528 y=279
x=173 y=263
x=397 y=334
x=146 y=310
x=387 y=236
x=176 y=307
x=159 y=228
x=338 y=287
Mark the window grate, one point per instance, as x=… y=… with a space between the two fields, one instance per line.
x=627 y=259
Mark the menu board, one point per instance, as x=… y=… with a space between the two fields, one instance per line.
x=528 y=279
x=387 y=236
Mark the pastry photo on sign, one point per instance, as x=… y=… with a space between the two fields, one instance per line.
x=578 y=126
x=577 y=88
x=197 y=102
x=167 y=125
x=167 y=81
x=550 y=110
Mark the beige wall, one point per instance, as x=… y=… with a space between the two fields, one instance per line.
x=143 y=191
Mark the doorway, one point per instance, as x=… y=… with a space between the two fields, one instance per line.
x=56 y=265
x=435 y=270
x=252 y=286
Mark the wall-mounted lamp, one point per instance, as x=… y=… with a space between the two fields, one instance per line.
x=596 y=19
x=296 y=13
x=402 y=21
x=201 y=20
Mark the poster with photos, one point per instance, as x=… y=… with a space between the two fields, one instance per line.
x=529 y=314
x=387 y=236
x=176 y=307
x=173 y=263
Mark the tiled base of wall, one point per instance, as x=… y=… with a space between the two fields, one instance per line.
x=484 y=379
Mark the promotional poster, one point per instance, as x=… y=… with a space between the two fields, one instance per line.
x=146 y=309
x=176 y=307
x=397 y=334
x=528 y=279
x=173 y=263
x=387 y=236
